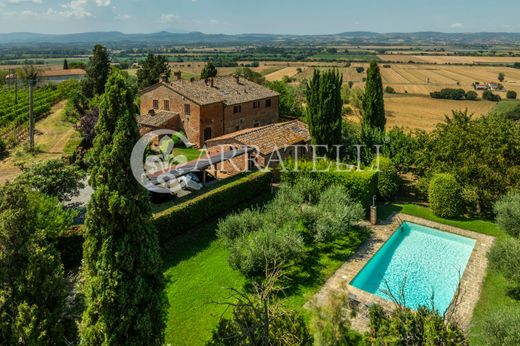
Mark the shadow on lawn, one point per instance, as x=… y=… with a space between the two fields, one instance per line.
x=311 y=270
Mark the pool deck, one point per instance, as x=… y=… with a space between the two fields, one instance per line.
x=461 y=309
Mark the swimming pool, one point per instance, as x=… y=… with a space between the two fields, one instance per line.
x=419 y=261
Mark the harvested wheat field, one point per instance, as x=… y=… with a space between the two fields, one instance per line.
x=423 y=112
x=424 y=79
x=445 y=59
x=285 y=72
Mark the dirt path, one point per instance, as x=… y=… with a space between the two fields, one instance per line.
x=52 y=135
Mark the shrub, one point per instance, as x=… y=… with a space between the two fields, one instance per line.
x=449 y=94
x=361 y=186
x=360 y=69
x=488 y=95
x=511 y=94
x=54 y=178
x=421 y=327
x=471 y=95
x=3 y=149
x=501 y=328
x=505 y=256
x=183 y=216
x=389 y=90
x=388 y=181
x=508 y=213
x=250 y=254
x=445 y=195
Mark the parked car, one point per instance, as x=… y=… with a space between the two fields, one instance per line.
x=193 y=181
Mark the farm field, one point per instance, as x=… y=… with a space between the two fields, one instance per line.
x=424 y=79
x=55 y=138
x=14 y=114
x=423 y=112
x=445 y=59
x=285 y=72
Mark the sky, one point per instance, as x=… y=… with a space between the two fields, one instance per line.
x=258 y=16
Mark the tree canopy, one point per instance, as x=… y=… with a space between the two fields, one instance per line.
x=32 y=285
x=208 y=71
x=98 y=70
x=122 y=266
x=373 y=107
x=151 y=70
x=324 y=109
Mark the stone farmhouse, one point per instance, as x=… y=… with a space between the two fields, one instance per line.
x=205 y=109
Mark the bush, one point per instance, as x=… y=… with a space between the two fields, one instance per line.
x=501 y=328
x=388 y=181
x=505 y=256
x=508 y=214
x=488 y=95
x=361 y=186
x=445 y=195
x=182 y=217
x=449 y=94
x=471 y=95
x=421 y=327
x=389 y=90
x=54 y=178
x=360 y=69
x=511 y=95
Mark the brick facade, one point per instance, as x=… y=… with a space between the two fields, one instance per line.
x=209 y=120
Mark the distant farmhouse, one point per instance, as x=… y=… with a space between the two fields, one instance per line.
x=486 y=86
x=58 y=76
x=205 y=109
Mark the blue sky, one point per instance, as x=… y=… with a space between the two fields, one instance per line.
x=263 y=16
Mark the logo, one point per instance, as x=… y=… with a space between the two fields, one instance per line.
x=155 y=163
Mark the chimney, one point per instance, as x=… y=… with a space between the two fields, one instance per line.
x=164 y=78
x=237 y=78
x=151 y=112
x=192 y=79
x=178 y=75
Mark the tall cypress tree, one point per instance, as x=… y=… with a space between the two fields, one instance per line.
x=373 y=101
x=122 y=266
x=324 y=106
x=98 y=70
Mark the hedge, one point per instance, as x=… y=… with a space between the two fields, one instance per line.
x=183 y=216
x=362 y=185
x=445 y=195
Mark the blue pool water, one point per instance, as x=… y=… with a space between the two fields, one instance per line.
x=423 y=260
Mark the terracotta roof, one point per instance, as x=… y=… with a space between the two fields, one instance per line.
x=266 y=138
x=156 y=120
x=225 y=89
x=58 y=73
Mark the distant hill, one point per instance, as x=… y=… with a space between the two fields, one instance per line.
x=115 y=38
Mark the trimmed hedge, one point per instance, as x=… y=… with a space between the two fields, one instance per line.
x=362 y=186
x=445 y=196
x=184 y=216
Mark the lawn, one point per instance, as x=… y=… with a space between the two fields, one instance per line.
x=199 y=277
x=497 y=292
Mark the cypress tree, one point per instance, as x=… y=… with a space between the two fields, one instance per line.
x=65 y=64
x=324 y=108
x=151 y=70
x=122 y=266
x=373 y=101
x=98 y=70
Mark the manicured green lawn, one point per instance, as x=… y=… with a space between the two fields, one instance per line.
x=199 y=277
x=496 y=293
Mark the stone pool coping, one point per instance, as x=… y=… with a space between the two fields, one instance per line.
x=469 y=289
